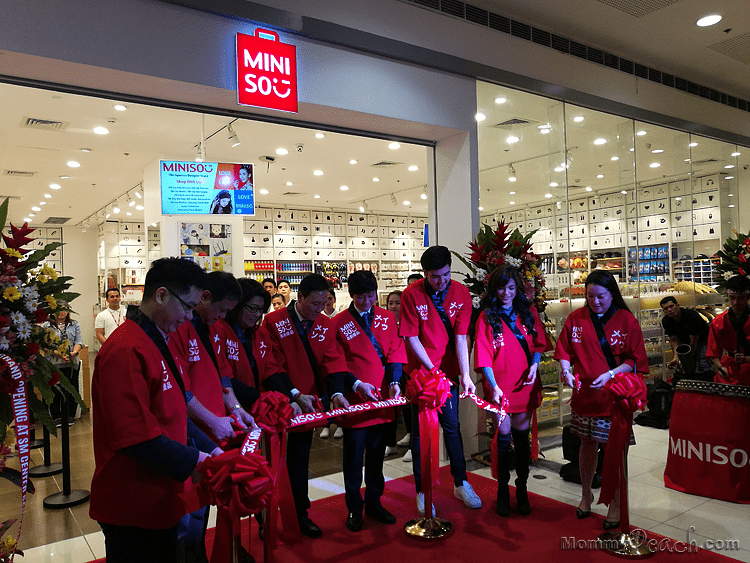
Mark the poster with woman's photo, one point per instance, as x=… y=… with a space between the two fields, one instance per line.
x=207 y=244
x=207 y=188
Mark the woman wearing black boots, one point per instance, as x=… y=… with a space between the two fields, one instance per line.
x=508 y=345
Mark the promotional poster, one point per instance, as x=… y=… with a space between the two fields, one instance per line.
x=206 y=188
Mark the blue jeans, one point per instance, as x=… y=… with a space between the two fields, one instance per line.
x=452 y=436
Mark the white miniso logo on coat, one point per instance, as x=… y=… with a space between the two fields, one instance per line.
x=349 y=330
x=233 y=350
x=193 y=350
x=284 y=327
x=423 y=311
x=577 y=334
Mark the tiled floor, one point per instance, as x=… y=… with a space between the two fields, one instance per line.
x=69 y=536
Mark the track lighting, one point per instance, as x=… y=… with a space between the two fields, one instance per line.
x=511 y=173
x=233 y=138
x=201 y=155
x=394 y=201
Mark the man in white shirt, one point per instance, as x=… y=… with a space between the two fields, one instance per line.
x=113 y=316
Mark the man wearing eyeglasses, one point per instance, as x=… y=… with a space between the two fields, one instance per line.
x=141 y=430
x=729 y=333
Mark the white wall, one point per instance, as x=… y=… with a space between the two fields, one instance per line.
x=79 y=262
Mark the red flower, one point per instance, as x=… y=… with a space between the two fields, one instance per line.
x=40 y=315
x=478 y=252
x=747 y=242
x=516 y=243
x=54 y=380
x=32 y=348
x=742 y=258
x=741 y=272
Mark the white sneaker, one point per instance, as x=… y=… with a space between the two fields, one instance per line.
x=407 y=456
x=420 y=505
x=389 y=450
x=325 y=433
x=339 y=433
x=405 y=441
x=466 y=493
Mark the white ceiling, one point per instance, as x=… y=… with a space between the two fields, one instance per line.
x=142 y=135
x=665 y=38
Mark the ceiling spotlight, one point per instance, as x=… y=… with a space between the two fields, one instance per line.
x=264 y=192
x=362 y=208
x=319 y=135
x=615 y=158
x=423 y=195
x=600 y=141
x=108 y=215
x=589 y=188
x=131 y=202
x=545 y=130
x=138 y=194
x=657 y=151
x=234 y=140
x=153 y=224
x=48 y=196
x=736 y=154
x=512 y=202
x=511 y=193
x=407 y=202
x=73 y=164
x=352 y=161
x=376 y=179
x=559 y=169
x=64 y=177
x=481 y=208
x=26 y=220
x=393 y=199
x=624 y=192
x=139 y=207
x=578 y=118
x=693 y=144
x=413 y=168
x=101 y=130
x=600 y=176
x=729 y=178
x=115 y=209
x=317 y=196
x=37 y=209
x=201 y=154
x=512 y=139
x=42 y=203
x=547 y=195
x=654 y=165
x=641 y=133
x=318 y=172
x=480 y=117
x=394 y=146
x=553 y=184
x=511 y=173
x=282 y=152
x=120 y=107
x=344 y=188
x=501 y=100
x=32 y=215
x=85 y=150
x=729 y=166
x=706 y=21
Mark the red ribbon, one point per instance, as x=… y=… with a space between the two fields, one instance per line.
x=430 y=390
x=629 y=394
x=21 y=418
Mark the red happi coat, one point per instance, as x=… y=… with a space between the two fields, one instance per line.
x=264 y=351
x=363 y=361
x=419 y=317
x=292 y=356
x=579 y=345
x=202 y=380
x=135 y=398
x=721 y=336
x=504 y=354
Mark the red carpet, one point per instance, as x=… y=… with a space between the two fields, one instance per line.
x=480 y=535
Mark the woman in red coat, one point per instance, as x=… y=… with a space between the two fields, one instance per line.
x=601 y=340
x=509 y=341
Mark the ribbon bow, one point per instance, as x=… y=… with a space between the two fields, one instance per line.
x=272 y=412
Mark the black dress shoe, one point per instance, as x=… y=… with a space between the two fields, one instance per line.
x=354 y=522
x=380 y=514
x=309 y=528
x=581 y=514
x=611 y=525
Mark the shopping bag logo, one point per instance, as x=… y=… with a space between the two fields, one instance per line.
x=266 y=71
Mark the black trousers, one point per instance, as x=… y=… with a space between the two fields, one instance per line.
x=297 y=464
x=126 y=544
x=368 y=443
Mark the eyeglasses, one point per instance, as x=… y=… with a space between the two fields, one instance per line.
x=253 y=308
x=188 y=308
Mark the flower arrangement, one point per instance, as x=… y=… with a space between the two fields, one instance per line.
x=735 y=257
x=493 y=248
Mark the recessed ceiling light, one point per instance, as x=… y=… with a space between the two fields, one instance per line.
x=407 y=202
x=547 y=195
x=290 y=183
x=48 y=196
x=706 y=21
x=129 y=214
x=657 y=151
x=42 y=203
x=139 y=207
x=578 y=118
x=600 y=141
x=282 y=152
x=35 y=208
x=108 y=215
x=344 y=188
x=730 y=205
x=264 y=192
x=559 y=169
x=85 y=150
x=317 y=196
x=120 y=107
x=615 y=158
x=512 y=202
x=553 y=184
x=394 y=146
x=64 y=177
x=319 y=135
x=511 y=193
x=318 y=172
x=101 y=130
x=115 y=210
x=413 y=168
x=512 y=139
x=501 y=100
x=32 y=215
x=512 y=179
x=73 y=164
x=736 y=154
x=654 y=165
x=545 y=130
x=730 y=195
x=481 y=208
x=678 y=199
x=729 y=166
x=600 y=176
x=589 y=188
x=641 y=133
x=480 y=117
x=376 y=179
x=352 y=161
x=631 y=149
x=687 y=160
x=693 y=144
x=624 y=192
x=27 y=220
x=729 y=178
x=423 y=196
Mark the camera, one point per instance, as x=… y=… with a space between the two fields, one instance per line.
x=300 y=147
